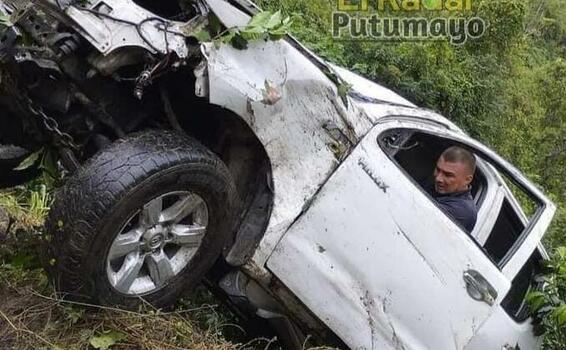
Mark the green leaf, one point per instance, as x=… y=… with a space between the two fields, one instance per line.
x=275 y=37
x=22 y=260
x=263 y=25
x=536 y=300
x=74 y=314
x=5 y=21
x=227 y=38
x=251 y=36
x=106 y=340
x=260 y=19
x=560 y=315
x=202 y=36
x=29 y=161
x=344 y=89
x=239 y=42
x=275 y=20
x=561 y=253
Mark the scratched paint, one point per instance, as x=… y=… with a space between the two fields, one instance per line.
x=369 y=268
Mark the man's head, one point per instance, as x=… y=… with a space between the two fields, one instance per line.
x=454 y=171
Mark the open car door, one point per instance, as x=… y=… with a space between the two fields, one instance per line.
x=376 y=260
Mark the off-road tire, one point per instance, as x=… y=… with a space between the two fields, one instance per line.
x=98 y=199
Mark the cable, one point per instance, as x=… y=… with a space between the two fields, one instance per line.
x=102 y=14
x=148 y=74
x=138 y=26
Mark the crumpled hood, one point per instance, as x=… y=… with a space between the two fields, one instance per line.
x=370 y=89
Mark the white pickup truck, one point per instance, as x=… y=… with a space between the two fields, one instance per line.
x=252 y=168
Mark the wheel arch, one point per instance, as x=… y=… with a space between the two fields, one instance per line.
x=229 y=136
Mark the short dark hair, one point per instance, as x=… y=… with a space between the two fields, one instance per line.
x=457 y=154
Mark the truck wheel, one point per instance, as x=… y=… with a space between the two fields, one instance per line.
x=145 y=218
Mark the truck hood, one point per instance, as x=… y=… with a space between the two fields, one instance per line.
x=368 y=88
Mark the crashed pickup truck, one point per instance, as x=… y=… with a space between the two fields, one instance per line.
x=254 y=168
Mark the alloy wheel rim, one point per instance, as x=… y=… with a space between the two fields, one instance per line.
x=157 y=243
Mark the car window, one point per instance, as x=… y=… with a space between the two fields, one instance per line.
x=416 y=153
x=514 y=302
x=505 y=232
x=514 y=214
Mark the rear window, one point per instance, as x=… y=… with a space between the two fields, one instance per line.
x=514 y=303
x=505 y=232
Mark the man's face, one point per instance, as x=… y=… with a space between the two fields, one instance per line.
x=451 y=177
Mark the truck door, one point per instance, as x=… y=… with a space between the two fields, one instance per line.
x=384 y=267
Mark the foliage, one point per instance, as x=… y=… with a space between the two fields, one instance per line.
x=27 y=205
x=265 y=25
x=5 y=23
x=506 y=89
x=548 y=306
x=106 y=340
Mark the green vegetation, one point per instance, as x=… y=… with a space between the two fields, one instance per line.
x=549 y=309
x=32 y=316
x=264 y=25
x=505 y=89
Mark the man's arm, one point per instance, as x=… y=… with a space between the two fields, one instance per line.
x=459 y=212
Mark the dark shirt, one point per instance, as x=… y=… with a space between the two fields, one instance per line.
x=460 y=206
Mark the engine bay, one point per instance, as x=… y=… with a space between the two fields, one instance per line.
x=81 y=74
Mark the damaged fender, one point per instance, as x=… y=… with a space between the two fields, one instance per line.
x=287 y=102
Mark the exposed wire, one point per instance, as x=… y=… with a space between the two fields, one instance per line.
x=146 y=77
x=139 y=29
x=138 y=26
x=105 y=15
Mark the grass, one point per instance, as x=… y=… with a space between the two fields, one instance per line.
x=28 y=206
x=33 y=317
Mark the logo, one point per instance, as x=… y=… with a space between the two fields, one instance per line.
x=376 y=20
x=406 y=5
x=353 y=5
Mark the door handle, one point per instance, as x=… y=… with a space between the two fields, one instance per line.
x=479 y=288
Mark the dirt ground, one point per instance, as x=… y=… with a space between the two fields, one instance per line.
x=31 y=318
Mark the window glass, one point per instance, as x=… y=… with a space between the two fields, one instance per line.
x=505 y=232
x=417 y=154
x=523 y=202
x=514 y=303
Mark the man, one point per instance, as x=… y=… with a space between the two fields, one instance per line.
x=453 y=176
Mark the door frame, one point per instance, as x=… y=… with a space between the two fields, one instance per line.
x=531 y=237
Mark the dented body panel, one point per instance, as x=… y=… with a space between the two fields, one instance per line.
x=348 y=234
x=293 y=129
x=387 y=277
x=349 y=241
x=109 y=35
